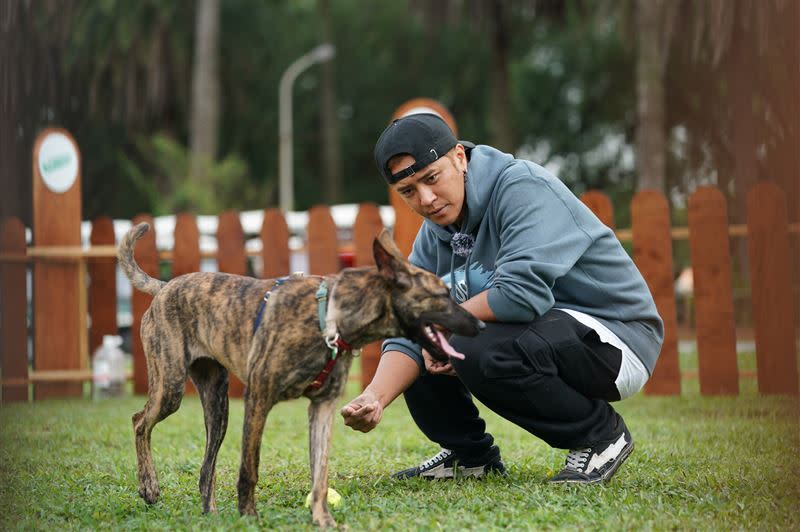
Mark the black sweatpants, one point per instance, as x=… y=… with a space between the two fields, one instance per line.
x=553 y=377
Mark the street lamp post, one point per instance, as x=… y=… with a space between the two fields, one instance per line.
x=323 y=52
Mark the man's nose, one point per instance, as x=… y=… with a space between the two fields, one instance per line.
x=426 y=195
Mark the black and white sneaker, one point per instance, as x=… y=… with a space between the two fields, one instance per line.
x=446 y=465
x=597 y=463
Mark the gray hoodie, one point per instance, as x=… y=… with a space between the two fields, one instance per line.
x=536 y=246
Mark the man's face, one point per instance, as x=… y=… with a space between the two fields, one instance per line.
x=437 y=191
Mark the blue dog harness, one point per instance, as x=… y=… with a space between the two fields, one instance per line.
x=336 y=344
x=263 y=305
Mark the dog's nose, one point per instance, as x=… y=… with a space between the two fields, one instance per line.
x=481 y=325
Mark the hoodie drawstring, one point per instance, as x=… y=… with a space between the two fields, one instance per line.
x=453 y=282
x=466 y=275
x=452 y=277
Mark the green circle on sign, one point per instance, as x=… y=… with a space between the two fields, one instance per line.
x=58 y=162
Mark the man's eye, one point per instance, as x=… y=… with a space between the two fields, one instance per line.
x=407 y=192
x=432 y=178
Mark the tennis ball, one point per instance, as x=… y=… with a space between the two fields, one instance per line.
x=334 y=499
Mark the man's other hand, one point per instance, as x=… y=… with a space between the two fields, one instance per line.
x=435 y=367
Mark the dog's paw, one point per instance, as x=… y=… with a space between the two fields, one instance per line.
x=150 y=494
x=323 y=520
x=248 y=510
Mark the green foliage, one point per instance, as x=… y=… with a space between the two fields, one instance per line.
x=129 y=70
x=699 y=463
x=573 y=88
x=225 y=184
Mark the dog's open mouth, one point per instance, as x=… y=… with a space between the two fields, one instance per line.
x=442 y=348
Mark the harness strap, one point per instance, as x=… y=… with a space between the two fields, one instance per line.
x=263 y=305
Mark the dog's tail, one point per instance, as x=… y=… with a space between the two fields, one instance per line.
x=139 y=279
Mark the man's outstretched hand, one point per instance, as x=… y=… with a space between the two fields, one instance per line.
x=362 y=413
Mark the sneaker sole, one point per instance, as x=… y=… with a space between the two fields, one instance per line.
x=608 y=474
x=462 y=472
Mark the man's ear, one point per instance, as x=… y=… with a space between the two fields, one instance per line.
x=389 y=261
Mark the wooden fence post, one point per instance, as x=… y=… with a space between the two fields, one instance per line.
x=600 y=205
x=146 y=256
x=231 y=259
x=367 y=226
x=102 y=285
x=323 y=244
x=13 y=311
x=274 y=245
x=59 y=285
x=652 y=251
x=186 y=250
x=186 y=255
x=770 y=281
x=713 y=292
x=406 y=223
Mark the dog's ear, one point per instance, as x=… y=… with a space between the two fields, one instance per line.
x=390 y=261
x=387 y=242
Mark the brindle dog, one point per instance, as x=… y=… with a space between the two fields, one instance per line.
x=200 y=325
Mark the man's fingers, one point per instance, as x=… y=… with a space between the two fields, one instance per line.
x=363 y=425
x=439 y=367
x=363 y=410
x=371 y=421
x=357 y=408
x=365 y=419
x=361 y=416
x=442 y=369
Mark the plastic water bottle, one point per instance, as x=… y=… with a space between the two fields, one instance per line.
x=108 y=368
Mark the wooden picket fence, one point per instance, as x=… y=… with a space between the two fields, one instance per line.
x=767 y=229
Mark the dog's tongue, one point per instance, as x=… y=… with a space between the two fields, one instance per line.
x=447 y=348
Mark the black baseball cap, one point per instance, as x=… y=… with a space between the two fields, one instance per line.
x=424 y=136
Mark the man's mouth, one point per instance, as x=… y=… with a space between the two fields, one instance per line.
x=438 y=211
x=435 y=337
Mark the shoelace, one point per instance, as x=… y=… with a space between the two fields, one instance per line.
x=577 y=458
x=440 y=456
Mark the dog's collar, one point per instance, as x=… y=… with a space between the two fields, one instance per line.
x=327 y=322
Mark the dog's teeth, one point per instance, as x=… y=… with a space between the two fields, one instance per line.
x=429 y=333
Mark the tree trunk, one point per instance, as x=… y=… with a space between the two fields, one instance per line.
x=204 y=118
x=500 y=96
x=12 y=171
x=331 y=157
x=745 y=141
x=650 y=136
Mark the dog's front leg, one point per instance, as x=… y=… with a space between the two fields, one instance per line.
x=320 y=419
x=257 y=405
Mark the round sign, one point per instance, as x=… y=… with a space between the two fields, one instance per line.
x=425 y=105
x=58 y=162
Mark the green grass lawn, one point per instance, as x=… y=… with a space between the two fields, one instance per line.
x=699 y=463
